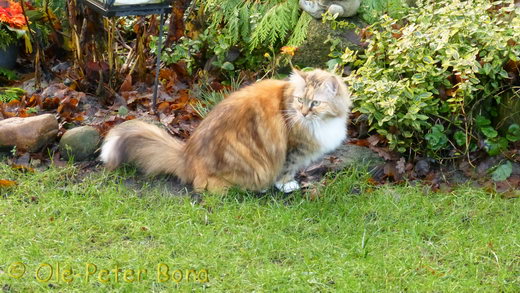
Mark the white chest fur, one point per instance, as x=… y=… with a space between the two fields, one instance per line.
x=330 y=134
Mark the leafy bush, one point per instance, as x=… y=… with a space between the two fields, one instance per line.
x=237 y=33
x=372 y=10
x=423 y=80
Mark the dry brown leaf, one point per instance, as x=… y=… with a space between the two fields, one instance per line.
x=374 y=139
x=22 y=168
x=385 y=153
x=7 y=183
x=360 y=142
x=126 y=86
x=50 y=103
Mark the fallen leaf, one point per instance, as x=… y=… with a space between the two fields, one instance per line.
x=22 y=168
x=360 y=142
x=385 y=153
x=374 y=139
x=126 y=86
x=7 y=183
x=372 y=181
x=510 y=194
x=163 y=107
x=33 y=101
x=50 y=103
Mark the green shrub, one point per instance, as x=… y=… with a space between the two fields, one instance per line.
x=423 y=80
x=371 y=10
x=248 y=28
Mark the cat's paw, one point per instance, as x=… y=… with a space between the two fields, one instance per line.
x=288 y=187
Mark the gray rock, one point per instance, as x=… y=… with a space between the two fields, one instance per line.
x=30 y=134
x=346 y=156
x=344 y=8
x=314 y=52
x=349 y=155
x=30 y=86
x=79 y=143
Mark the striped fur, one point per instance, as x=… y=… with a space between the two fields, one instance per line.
x=244 y=140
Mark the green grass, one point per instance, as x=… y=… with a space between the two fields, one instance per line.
x=353 y=238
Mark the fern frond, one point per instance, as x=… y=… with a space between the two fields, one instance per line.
x=276 y=24
x=300 y=30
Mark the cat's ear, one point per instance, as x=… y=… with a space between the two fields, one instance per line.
x=331 y=86
x=297 y=78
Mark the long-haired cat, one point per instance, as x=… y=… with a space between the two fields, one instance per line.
x=258 y=136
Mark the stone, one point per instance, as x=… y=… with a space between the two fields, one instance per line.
x=314 y=51
x=350 y=155
x=343 y=8
x=80 y=143
x=29 y=86
x=30 y=133
x=346 y=156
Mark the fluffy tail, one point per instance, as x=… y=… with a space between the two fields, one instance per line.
x=149 y=147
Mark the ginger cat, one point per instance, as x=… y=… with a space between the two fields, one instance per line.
x=258 y=136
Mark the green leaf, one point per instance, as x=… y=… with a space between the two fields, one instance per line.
x=122 y=111
x=436 y=138
x=513 y=132
x=9 y=74
x=228 y=66
x=482 y=121
x=495 y=146
x=489 y=131
x=331 y=64
x=428 y=60
x=460 y=138
x=502 y=172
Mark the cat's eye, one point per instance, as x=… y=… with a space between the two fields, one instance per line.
x=300 y=99
x=315 y=103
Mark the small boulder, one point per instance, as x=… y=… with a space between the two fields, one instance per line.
x=79 y=143
x=350 y=155
x=344 y=157
x=30 y=133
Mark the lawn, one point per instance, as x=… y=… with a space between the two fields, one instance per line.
x=105 y=236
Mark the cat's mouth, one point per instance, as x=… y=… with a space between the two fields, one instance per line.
x=309 y=120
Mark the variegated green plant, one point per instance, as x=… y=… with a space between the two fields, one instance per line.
x=429 y=74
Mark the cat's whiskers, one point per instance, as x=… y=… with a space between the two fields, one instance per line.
x=291 y=118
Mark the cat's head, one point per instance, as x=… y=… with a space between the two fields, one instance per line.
x=318 y=95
